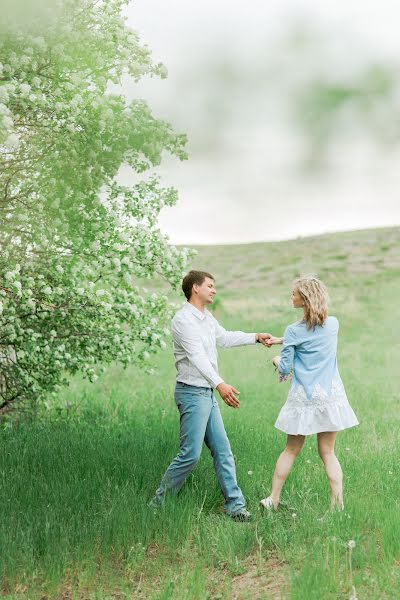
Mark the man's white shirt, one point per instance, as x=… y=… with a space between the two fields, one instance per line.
x=196 y=335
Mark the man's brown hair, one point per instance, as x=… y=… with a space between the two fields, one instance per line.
x=192 y=278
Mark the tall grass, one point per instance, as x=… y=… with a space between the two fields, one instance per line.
x=76 y=480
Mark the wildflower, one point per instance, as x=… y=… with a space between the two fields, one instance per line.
x=249 y=472
x=12 y=141
x=294 y=516
x=351 y=544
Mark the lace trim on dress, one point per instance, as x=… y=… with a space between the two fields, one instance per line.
x=320 y=398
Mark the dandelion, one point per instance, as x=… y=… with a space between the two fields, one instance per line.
x=249 y=472
x=294 y=516
x=351 y=544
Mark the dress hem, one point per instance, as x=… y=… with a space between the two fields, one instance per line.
x=316 y=430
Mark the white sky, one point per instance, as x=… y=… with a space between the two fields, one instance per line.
x=248 y=190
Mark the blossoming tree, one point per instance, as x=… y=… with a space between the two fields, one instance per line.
x=74 y=242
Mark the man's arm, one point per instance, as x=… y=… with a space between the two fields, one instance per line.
x=230 y=339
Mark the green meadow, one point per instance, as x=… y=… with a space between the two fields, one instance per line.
x=76 y=476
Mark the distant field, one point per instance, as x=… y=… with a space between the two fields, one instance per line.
x=76 y=482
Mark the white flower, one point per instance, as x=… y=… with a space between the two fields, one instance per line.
x=80 y=291
x=25 y=88
x=100 y=293
x=9 y=275
x=294 y=515
x=12 y=141
x=351 y=544
x=146 y=355
x=163 y=344
x=59 y=269
x=47 y=290
x=249 y=472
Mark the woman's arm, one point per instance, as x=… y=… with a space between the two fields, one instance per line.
x=284 y=362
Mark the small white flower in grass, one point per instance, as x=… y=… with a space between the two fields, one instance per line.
x=348 y=449
x=107 y=306
x=80 y=291
x=308 y=461
x=47 y=290
x=250 y=473
x=146 y=355
x=351 y=544
x=100 y=293
x=390 y=472
x=163 y=344
x=294 y=515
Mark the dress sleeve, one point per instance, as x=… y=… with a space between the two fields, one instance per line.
x=287 y=353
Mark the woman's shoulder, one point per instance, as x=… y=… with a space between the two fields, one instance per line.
x=294 y=328
x=332 y=321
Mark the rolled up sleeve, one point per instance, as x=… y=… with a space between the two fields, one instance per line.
x=287 y=353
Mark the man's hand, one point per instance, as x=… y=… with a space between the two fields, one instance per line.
x=276 y=360
x=227 y=393
x=264 y=338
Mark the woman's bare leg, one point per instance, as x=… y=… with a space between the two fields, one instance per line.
x=326 y=450
x=284 y=464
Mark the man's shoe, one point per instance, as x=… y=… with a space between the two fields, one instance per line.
x=243 y=515
x=155 y=504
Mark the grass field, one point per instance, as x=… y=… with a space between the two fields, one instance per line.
x=75 y=480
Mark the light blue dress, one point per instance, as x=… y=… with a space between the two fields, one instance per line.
x=317 y=399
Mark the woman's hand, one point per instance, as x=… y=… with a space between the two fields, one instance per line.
x=274 y=340
x=276 y=360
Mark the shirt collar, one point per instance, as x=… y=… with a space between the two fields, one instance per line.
x=195 y=311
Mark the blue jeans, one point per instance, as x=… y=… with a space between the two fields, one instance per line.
x=201 y=421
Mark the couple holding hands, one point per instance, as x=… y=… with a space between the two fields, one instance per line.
x=316 y=404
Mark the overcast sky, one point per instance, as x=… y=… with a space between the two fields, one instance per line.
x=240 y=183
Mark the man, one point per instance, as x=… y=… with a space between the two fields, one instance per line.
x=196 y=333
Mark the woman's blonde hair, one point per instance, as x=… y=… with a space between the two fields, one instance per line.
x=315 y=297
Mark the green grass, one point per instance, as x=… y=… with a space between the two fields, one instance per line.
x=76 y=479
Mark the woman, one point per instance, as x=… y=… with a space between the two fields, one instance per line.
x=317 y=401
